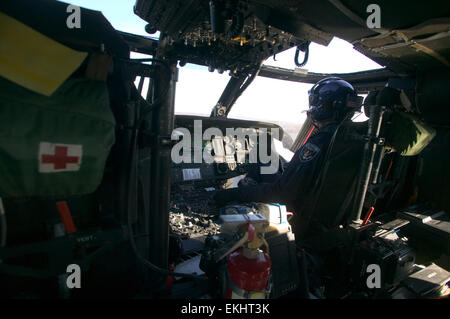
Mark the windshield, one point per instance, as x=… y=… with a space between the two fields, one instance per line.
x=269 y=100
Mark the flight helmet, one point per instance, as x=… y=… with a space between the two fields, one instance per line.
x=332 y=99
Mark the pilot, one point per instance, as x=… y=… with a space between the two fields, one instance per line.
x=331 y=101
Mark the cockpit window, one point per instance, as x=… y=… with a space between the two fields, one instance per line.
x=338 y=57
x=285 y=102
x=198 y=90
x=274 y=101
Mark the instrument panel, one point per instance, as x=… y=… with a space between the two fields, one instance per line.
x=218 y=149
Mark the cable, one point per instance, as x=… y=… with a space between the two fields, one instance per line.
x=3 y=225
x=146 y=262
x=309 y=134
x=133 y=146
x=154 y=267
x=305 y=48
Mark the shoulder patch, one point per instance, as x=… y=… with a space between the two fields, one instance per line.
x=308 y=152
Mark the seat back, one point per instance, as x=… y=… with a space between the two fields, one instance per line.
x=340 y=178
x=332 y=196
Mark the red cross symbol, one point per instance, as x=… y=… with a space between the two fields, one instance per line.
x=60 y=159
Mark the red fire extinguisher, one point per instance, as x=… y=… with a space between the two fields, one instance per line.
x=248 y=278
x=248 y=269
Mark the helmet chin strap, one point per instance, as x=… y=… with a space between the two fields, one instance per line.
x=334 y=119
x=320 y=124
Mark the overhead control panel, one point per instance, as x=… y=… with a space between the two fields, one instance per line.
x=230 y=35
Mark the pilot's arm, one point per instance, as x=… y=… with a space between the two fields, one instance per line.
x=295 y=181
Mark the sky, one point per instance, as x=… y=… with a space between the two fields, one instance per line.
x=265 y=99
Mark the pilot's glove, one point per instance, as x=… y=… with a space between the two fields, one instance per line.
x=221 y=198
x=247 y=181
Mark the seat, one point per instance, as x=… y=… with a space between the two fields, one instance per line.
x=333 y=197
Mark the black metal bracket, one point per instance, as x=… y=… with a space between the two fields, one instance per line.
x=380 y=141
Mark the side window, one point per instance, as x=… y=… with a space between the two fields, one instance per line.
x=198 y=90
